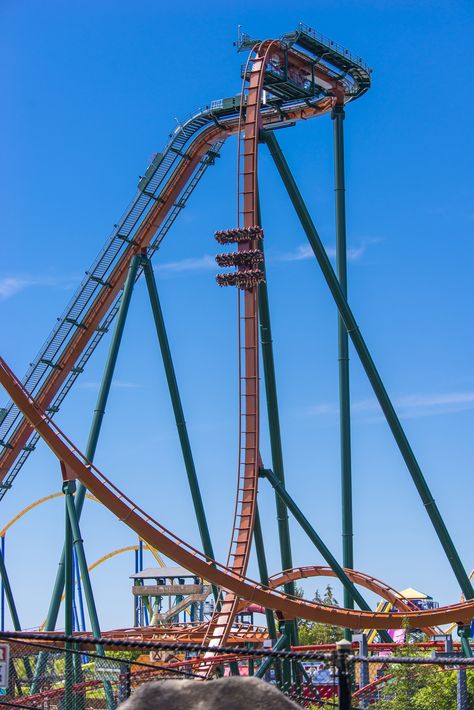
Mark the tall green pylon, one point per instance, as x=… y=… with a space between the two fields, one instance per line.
x=343 y=355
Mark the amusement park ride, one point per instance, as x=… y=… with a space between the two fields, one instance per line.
x=297 y=77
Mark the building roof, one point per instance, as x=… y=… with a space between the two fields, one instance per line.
x=410 y=593
x=164 y=572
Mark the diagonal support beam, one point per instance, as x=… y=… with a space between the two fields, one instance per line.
x=77 y=544
x=263 y=572
x=178 y=409
x=280 y=645
x=320 y=545
x=273 y=415
x=94 y=432
x=11 y=604
x=268 y=361
x=369 y=365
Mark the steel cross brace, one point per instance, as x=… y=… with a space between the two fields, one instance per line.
x=369 y=365
x=320 y=545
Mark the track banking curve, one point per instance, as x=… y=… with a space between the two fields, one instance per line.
x=162 y=193
x=364 y=580
x=75 y=465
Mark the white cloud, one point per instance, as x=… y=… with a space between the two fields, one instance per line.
x=207 y=262
x=420 y=405
x=11 y=285
x=304 y=251
x=407 y=406
x=200 y=263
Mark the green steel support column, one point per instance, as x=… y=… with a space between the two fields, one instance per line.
x=343 y=348
x=369 y=366
x=463 y=633
x=279 y=646
x=274 y=426
x=96 y=424
x=291 y=627
x=177 y=408
x=251 y=661
x=274 y=421
x=13 y=610
x=77 y=544
x=9 y=595
x=320 y=546
x=94 y=432
x=68 y=597
x=263 y=572
x=266 y=340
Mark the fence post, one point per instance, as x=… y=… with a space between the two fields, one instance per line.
x=462 y=690
x=364 y=666
x=125 y=682
x=343 y=665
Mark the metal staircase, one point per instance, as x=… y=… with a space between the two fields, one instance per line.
x=157 y=176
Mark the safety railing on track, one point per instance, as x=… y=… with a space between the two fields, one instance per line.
x=96 y=280
x=94 y=286
x=333 y=46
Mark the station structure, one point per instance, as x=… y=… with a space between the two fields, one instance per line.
x=300 y=76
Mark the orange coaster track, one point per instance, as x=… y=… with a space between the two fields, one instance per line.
x=75 y=465
x=364 y=580
x=230 y=577
x=85 y=331
x=249 y=385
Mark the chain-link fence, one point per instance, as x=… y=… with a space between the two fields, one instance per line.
x=52 y=671
x=413 y=682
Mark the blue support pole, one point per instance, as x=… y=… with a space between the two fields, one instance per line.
x=143 y=615
x=136 y=600
x=82 y=618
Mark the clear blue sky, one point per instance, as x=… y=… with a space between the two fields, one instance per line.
x=89 y=92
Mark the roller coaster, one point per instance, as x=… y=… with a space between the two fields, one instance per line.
x=297 y=77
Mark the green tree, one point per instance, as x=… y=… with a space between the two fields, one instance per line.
x=441 y=691
x=418 y=687
x=399 y=692
x=315 y=633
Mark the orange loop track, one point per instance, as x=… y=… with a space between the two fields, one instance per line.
x=77 y=466
x=364 y=580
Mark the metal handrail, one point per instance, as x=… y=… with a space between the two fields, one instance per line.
x=333 y=46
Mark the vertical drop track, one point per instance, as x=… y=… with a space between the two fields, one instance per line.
x=249 y=404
